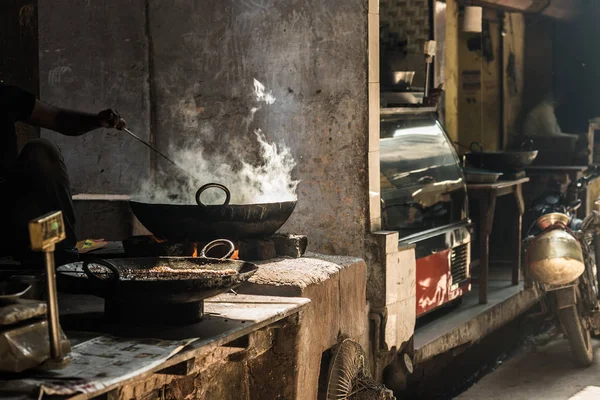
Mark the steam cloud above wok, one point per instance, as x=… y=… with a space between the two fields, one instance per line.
x=270 y=180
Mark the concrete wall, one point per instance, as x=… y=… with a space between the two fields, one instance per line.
x=176 y=68
x=313 y=55
x=19 y=49
x=94 y=55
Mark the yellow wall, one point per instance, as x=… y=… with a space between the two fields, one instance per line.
x=475 y=114
x=479 y=109
x=514 y=42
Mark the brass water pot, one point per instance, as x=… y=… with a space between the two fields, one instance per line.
x=555 y=257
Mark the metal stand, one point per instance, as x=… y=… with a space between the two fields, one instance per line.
x=52 y=298
x=44 y=233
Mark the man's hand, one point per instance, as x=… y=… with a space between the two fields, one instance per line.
x=111 y=119
x=434 y=96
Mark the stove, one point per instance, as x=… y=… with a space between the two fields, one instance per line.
x=143 y=312
x=258 y=249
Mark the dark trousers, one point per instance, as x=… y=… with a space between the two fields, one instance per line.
x=39 y=184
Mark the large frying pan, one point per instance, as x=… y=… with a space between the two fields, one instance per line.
x=501 y=161
x=128 y=280
x=205 y=222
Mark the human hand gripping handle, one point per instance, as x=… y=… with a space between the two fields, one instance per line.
x=111 y=119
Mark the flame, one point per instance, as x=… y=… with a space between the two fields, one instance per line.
x=234 y=256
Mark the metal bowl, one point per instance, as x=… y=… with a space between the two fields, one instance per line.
x=481 y=176
x=547 y=220
x=502 y=161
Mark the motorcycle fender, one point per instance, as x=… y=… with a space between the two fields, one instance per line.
x=565 y=297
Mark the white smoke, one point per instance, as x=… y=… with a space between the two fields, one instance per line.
x=267 y=182
x=259 y=93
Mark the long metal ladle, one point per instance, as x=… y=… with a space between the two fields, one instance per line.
x=136 y=137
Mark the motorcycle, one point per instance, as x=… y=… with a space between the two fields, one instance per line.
x=560 y=258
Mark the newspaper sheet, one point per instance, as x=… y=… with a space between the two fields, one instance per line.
x=105 y=361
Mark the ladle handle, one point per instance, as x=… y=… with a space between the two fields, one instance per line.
x=213 y=185
x=115 y=276
x=217 y=243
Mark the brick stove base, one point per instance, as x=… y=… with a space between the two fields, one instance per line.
x=278 y=245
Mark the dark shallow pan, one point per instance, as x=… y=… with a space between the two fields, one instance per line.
x=207 y=222
x=500 y=161
x=129 y=279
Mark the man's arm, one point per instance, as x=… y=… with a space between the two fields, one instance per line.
x=72 y=123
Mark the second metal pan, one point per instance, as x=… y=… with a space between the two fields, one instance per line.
x=130 y=279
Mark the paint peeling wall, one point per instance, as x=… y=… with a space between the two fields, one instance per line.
x=181 y=69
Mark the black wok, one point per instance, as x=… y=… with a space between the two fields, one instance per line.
x=206 y=222
x=127 y=280
x=500 y=161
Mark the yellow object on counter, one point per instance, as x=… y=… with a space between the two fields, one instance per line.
x=88 y=245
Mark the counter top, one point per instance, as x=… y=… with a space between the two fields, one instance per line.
x=227 y=317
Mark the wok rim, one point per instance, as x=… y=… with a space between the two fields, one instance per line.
x=217 y=206
x=246 y=269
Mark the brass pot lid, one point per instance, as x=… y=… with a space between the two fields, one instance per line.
x=547 y=220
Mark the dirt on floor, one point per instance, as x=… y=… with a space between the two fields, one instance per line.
x=449 y=375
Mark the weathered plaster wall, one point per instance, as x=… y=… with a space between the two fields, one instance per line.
x=313 y=55
x=94 y=55
x=176 y=69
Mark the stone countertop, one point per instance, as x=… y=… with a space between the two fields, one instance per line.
x=300 y=272
x=228 y=317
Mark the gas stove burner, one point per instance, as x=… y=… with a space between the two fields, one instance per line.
x=150 y=246
x=153 y=314
x=255 y=249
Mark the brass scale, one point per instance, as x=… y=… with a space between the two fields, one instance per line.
x=39 y=340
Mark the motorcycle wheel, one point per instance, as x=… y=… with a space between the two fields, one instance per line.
x=578 y=336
